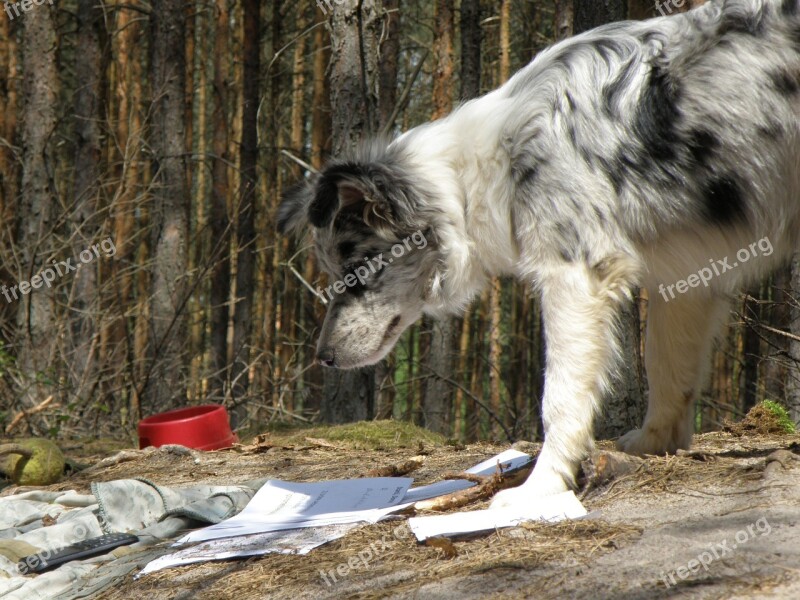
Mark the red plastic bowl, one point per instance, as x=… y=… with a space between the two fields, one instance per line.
x=204 y=427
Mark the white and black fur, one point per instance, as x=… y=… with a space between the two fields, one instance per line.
x=630 y=156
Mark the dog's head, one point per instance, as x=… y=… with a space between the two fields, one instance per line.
x=374 y=238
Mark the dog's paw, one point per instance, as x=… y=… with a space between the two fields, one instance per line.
x=534 y=487
x=649 y=441
x=510 y=498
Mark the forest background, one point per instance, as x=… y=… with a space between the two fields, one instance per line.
x=171 y=129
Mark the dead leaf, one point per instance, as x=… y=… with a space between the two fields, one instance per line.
x=443 y=544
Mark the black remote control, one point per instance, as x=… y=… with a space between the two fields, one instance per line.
x=44 y=561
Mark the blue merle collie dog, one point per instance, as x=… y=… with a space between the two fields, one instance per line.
x=636 y=155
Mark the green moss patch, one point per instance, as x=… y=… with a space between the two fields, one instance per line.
x=365 y=435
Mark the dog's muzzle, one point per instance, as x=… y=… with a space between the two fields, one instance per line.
x=326 y=357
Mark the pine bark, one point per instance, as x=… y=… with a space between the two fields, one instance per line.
x=390 y=56
x=125 y=146
x=245 y=227
x=320 y=103
x=89 y=112
x=471 y=38
x=166 y=384
x=793 y=378
x=641 y=9
x=443 y=34
x=220 y=292
x=564 y=19
x=9 y=165
x=38 y=204
x=8 y=121
x=593 y=13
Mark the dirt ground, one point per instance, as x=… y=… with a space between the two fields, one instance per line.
x=719 y=522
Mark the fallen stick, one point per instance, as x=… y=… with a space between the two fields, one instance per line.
x=397 y=470
x=30 y=411
x=487 y=486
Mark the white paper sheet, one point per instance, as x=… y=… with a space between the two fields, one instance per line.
x=293 y=541
x=550 y=508
x=281 y=505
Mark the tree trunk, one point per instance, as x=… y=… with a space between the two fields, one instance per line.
x=564 y=19
x=38 y=203
x=641 y=9
x=593 y=13
x=297 y=135
x=443 y=34
x=793 y=377
x=83 y=344
x=624 y=408
x=165 y=386
x=320 y=103
x=471 y=38
x=777 y=346
x=220 y=217
x=245 y=228
x=437 y=403
x=390 y=56
x=505 y=40
x=8 y=122
x=9 y=166
x=355 y=30
x=751 y=349
x=495 y=353
x=125 y=99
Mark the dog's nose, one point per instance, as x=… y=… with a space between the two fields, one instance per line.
x=326 y=357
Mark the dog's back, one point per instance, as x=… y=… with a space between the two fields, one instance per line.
x=635 y=130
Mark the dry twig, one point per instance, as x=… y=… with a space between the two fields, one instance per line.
x=398 y=470
x=24 y=414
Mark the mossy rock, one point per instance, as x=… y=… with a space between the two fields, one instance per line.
x=33 y=461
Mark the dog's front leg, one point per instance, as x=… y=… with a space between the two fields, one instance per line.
x=580 y=306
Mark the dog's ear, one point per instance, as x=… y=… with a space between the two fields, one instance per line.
x=326 y=198
x=293 y=210
x=374 y=192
